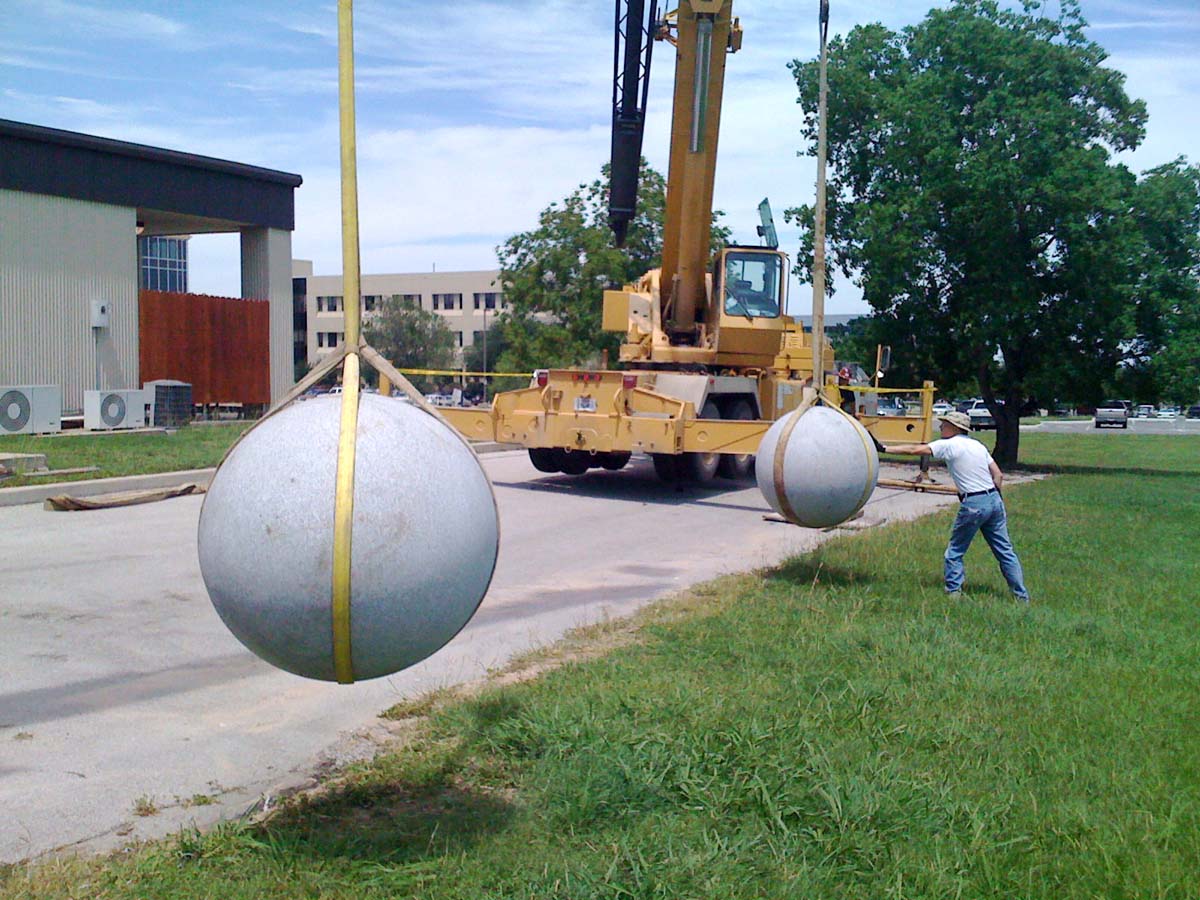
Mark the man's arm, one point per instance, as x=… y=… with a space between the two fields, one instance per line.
x=915 y=449
x=997 y=475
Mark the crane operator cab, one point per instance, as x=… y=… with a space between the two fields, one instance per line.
x=752 y=283
x=753 y=296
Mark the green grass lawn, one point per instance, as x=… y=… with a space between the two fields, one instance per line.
x=1089 y=452
x=832 y=728
x=193 y=447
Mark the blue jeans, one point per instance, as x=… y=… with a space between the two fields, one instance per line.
x=985 y=513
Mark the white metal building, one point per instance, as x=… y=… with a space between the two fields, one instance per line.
x=71 y=209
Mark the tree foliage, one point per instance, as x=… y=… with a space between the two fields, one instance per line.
x=410 y=337
x=974 y=199
x=1166 y=355
x=496 y=344
x=555 y=275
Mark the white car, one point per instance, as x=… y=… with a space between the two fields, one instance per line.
x=980 y=415
x=1168 y=412
x=941 y=408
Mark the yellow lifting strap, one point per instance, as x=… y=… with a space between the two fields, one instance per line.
x=777 y=478
x=343 y=504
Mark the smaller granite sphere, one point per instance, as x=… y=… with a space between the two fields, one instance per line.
x=829 y=467
x=423 y=547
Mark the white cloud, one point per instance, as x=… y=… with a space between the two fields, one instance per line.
x=125 y=23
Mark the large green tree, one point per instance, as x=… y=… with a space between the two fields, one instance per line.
x=974 y=199
x=411 y=337
x=554 y=275
x=1166 y=355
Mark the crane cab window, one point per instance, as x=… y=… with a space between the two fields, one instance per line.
x=752 y=282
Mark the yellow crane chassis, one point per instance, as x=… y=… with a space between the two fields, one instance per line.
x=609 y=412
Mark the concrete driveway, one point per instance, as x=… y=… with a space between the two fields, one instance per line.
x=122 y=693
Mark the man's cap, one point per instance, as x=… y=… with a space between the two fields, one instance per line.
x=959 y=420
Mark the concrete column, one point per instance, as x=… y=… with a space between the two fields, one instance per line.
x=267 y=275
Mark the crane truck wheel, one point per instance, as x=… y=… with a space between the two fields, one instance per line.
x=543 y=459
x=739 y=466
x=572 y=462
x=702 y=467
x=614 y=461
x=667 y=466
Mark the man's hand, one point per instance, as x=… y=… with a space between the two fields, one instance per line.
x=997 y=475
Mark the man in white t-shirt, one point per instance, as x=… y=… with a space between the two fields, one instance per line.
x=981 y=508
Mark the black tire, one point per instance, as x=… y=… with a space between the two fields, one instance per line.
x=543 y=459
x=702 y=467
x=573 y=462
x=737 y=467
x=1098 y=425
x=614 y=462
x=1124 y=424
x=667 y=467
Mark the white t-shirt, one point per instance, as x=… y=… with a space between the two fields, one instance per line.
x=968 y=462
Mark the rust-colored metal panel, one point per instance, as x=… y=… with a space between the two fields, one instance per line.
x=220 y=345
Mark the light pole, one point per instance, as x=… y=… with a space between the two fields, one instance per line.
x=485 y=368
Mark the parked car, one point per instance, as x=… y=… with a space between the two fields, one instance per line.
x=1145 y=411
x=1112 y=412
x=1168 y=412
x=890 y=407
x=941 y=408
x=980 y=416
x=1194 y=412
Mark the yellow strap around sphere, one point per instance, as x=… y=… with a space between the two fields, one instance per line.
x=343 y=504
x=343 y=522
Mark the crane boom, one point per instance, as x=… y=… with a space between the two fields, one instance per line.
x=705 y=31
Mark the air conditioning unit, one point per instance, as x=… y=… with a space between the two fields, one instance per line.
x=106 y=410
x=170 y=402
x=30 y=409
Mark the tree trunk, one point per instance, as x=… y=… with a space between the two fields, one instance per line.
x=1008 y=434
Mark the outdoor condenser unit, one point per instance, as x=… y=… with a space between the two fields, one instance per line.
x=106 y=410
x=170 y=402
x=30 y=409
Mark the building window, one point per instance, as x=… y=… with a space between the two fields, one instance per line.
x=477 y=337
x=412 y=301
x=371 y=302
x=163 y=263
x=328 y=304
x=488 y=300
x=459 y=335
x=447 y=301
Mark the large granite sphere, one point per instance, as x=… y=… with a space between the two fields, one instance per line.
x=830 y=467
x=424 y=540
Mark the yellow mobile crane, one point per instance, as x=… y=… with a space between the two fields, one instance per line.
x=712 y=357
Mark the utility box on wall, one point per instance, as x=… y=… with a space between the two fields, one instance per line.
x=99 y=313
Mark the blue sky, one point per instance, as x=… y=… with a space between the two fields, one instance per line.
x=473 y=115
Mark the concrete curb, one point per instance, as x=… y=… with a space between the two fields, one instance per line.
x=36 y=493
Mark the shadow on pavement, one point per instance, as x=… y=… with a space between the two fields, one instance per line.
x=124 y=689
x=637 y=483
